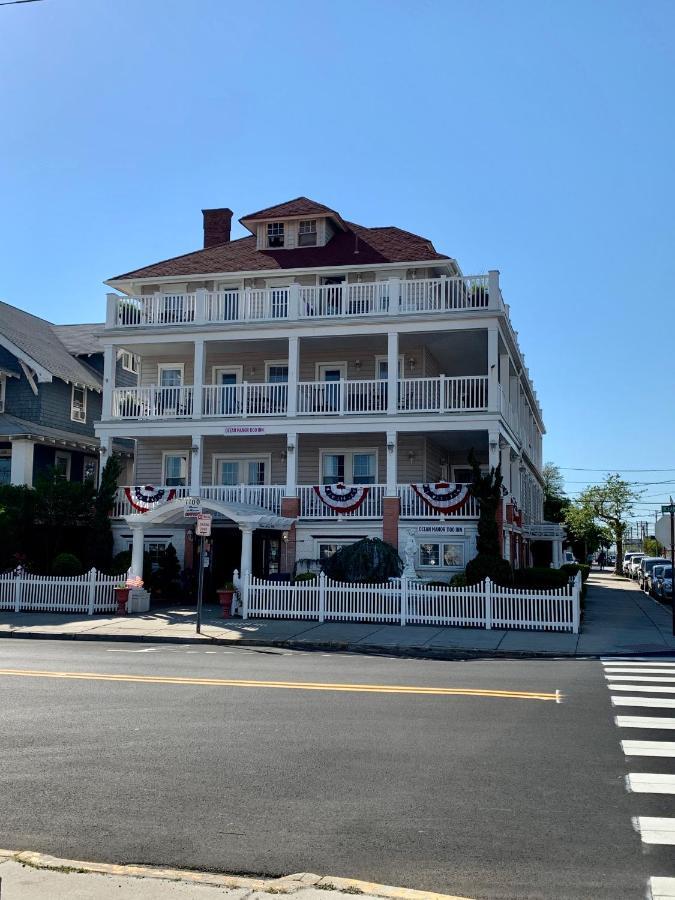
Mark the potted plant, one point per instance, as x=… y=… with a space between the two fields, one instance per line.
x=122 y=598
x=225 y=597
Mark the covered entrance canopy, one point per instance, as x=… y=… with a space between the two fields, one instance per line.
x=246 y=517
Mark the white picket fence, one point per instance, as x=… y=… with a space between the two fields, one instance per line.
x=404 y=602
x=93 y=592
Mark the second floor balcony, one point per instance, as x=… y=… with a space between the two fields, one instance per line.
x=440 y=394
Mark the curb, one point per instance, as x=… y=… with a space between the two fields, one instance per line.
x=335 y=646
x=287 y=884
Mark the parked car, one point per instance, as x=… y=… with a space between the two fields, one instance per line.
x=634 y=564
x=664 y=585
x=652 y=577
x=627 y=559
x=647 y=563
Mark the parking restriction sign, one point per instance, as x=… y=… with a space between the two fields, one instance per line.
x=204 y=524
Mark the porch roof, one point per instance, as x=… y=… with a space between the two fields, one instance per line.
x=241 y=513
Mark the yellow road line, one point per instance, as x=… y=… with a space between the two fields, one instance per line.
x=289 y=685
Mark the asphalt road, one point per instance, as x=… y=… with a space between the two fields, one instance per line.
x=485 y=796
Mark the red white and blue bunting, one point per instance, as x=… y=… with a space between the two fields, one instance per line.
x=443 y=497
x=342 y=498
x=145 y=497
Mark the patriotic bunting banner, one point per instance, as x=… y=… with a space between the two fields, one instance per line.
x=145 y=497
x=442 y=496
x=342 y=497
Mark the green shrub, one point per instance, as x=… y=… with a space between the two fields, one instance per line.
x=573 y=568
x=459 y=580
x=368 y=561
x=486 y=566
x=121 y=564
x=441 y=584
x=305 y=576
x=66 y=564
x=541 y=578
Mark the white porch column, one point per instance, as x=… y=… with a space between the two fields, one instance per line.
x=138 y=533
x=493 y=369
x=392 y=373
x=293 y=366
x=196 y=464
x=493 y=449
x=291 y=464
x=246 y=549
x=392 y=459
x=111 y=310
x=21 y=471
x=109 y=365
x=198 y=380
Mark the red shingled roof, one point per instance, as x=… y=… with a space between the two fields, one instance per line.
x=301 y=206
x=355 y=246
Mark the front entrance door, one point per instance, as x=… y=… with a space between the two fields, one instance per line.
x=332 y=374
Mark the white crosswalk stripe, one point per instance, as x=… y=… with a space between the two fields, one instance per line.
x=661 y=702
x=644 y=722
x=639 y=662
x=648 y=748
x=647 y=688
x=662 y=888
x=668 y=678
x=650 y=783
x=655 y=830
x=646 y=659
x=635 y=670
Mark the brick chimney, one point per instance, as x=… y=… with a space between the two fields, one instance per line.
x=217 y=223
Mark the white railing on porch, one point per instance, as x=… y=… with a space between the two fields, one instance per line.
x=268 y=496
x=245 y=399
x=312 y=507
x=443 y=393
x=93 y=592
x=152 y=402
x=485 y=605
x=414 y=507
x=390 y=297
x=320 y=398
x=122 y=506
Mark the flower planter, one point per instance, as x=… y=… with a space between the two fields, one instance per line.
x=122 y=597
x=225 y=599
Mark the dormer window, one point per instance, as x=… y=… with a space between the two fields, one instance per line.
x=307 y=236
x=275 y=234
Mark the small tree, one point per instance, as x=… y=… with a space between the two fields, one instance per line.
x=369 y=561
x=555 y=501
x=584 y=532
x=487 y=489
x=101 y=532
x=612 y=502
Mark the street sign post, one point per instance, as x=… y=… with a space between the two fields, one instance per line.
x=672 y=561
x=202 y=530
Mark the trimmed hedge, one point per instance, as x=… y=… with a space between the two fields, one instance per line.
x=485 y=566
x=66 y=564
x=541 y=578
x=573 y=568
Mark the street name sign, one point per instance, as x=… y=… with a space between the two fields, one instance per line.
x=193 y=507
x=204 y=521
x=667 y=510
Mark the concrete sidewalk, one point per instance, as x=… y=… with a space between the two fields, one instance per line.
x=29 y=876
x=619 y=619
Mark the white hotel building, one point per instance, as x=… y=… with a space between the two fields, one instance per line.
x=310 y=353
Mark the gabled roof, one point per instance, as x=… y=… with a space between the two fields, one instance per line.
x=356 y=245
x=301 y=206
x=39 y=341
x=80 y=340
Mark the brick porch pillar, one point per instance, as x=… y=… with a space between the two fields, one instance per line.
x=290 y=507
x=391 y=507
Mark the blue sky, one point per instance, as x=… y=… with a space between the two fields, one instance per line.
x=532 y=137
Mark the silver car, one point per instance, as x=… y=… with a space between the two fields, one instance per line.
x=647 y=563
x=663 y=584
x=634 y=564
x=651 y=578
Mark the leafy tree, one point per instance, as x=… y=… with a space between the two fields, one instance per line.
x=584 y=532
x=101 y=532
x=60 y=507
x=652 y=547
x=555 y=501
x=487 y=489
x=369 y=561
x=612 y=503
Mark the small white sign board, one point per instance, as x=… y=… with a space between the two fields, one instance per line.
x=193 y=507
x=662 y=530
x=432 y=530
x=204 y=521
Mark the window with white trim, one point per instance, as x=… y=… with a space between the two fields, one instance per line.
x=154 y=548
x=78 y=403
x=129 y=361
x=62 y=464
x=171 y=374
x=275 y=234
x=326 y=549
x=276 y=372
x=174 y=469
x=233 y=470
x=349 y=466
x=307 y=233
x=442 y=556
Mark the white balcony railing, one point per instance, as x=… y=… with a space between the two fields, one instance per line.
x=312 y=507
x=268 y=496
x=318 y=398
x=390 y=297
x=413 y=507
x=442 y=394
x=152 y=402
x=246 y=399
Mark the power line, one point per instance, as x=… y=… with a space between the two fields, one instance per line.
x=611 y=469
x=14 y=2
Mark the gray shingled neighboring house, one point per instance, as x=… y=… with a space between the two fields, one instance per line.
x=50 y=396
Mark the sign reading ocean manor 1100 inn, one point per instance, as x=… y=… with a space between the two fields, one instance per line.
x=429 y=530
x=244 y=429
